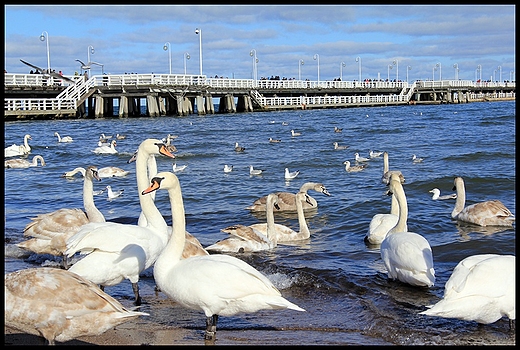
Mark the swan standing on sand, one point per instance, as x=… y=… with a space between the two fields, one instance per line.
x=437 y=195
x=289 y=175
x=407 y=255
x=24 y=163
x=245 y=238
x=108 y=171
x=354 y=168
x=387 y=172
x=481 y=288
x=488 y=213
x=131 y=248
x=59 y=305
x=218 y=284
x=106 y=149
x=19 y=150
x=287 y=200
x=381 y=224
x=64 y=138
x=50 y=231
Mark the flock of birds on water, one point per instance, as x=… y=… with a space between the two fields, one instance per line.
x=64 y=304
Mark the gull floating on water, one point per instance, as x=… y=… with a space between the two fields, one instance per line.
x=274 y=140
x=228 y=168
x=437 y=195
x=336 y=129
x=293 y=133
x=337 y=146
x=177 y=168
x=253 y=171
x=360 y=159
x=239 y=148
x=374 y=154
x=353 y=168
x=415 y=159
x=113 y=194
x=291 y=174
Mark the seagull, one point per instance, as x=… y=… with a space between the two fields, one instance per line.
x=239 y=148
x=437 y=195
x=336 y=129
x=416 y=160
x=291 y=174
x=360 y=159
x=353 y=168
x=46 y=71
x=178 y=168
x=295 y=133
x=285 y=123
x=274 y=140
x=337 y=146
x=374 y=154
x=120 y=137
x=112 y=194
x=88 y=65
x=253 y=171
x=228 y=168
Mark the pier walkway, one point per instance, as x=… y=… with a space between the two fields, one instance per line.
x=40 y=96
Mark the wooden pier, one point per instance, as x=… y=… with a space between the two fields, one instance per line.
x=37 y=96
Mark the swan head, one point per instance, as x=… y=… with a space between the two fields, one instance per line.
x=92 y=172
x=152 y=146
x=27 y=136
x=163 y=180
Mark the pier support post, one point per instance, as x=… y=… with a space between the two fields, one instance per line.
x=98 y=105
x=180 y=105
x=162 y=106
x=201 y=108
x=227 y=104
x=210 y=108
x=188 y=106
x=244 y=104
x=151 y=106
x=81 y=111
x=108 y=107
x=123 y=107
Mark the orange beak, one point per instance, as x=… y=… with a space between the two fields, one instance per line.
x=156 y=183
x=164 y=151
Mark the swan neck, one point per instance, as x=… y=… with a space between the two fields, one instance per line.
x=385 y=163
x=394 y=207
x=403 y=209
x=304 y=229
x=93 y=213
x=270 y=220
x=460 y=201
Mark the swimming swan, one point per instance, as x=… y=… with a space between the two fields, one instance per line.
x=287 y=201
x=387 y=172
x=108 y=171
x=488 y=213
x=131 y=248
x=218 y=284
x=59 y=305
x=50 y=231
x=382 y=223
x=19 y=150
x=21 y=163
x=64 y=138
x=407 y=255
x=106 y=149
x=481 y=288
x=246 y=239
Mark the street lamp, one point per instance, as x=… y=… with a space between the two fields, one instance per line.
x=43 y=37
x=389 y=67
x=186 y=57
x=407 y=69
x=511 y=75
x=252 y=53
x=456 y=66
x=495 y=76
x=500 y=74
x=479 y=70
x=396 y=64
x=433 y=72
x=317 y=57
x=199 y=32
x=167 y=46
x=300 y=63
x=358 y=59
x=341 y=65
x=90 y=50
x=440 y=70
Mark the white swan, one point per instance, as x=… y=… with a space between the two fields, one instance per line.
x=381 y=224
x=50 y=231
x=246 y=239
x=407 y=255
x=387 y=172
x=437 y=195
x=294 y=133
x=239 y=148
x=287 y=200
x=338 y=147
x=113 y=194
x=177 y=168
x=131 y=248
x=106 y=149
x=218 y=284
x=64 y=138
x=19 y=150
x=354 y=168
x=24 y=163
x=289 y=175
x=488 y=213
x=228 y=168
x=253 y=171
x=59 y=305
x=360 y=159
x=108 y=171
x=481 y=288
x=285 y=234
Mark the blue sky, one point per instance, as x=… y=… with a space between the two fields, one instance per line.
x=130 y=39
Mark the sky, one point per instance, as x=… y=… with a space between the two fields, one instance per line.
x=426 y=42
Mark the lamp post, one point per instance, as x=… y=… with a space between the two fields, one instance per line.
x=341 y=65
x=300 y=63
x=186 y=57
x=90 y=50
x=45 y=36
x=511 y=75
x=456 y=66
x=440 y=70
x=199 y=32
x=500 y=73
x=317 y=57
x=358 y=59
x=433 y=72
x=495 y=76
x=479 y=70
x=389 y=67
x=407 y=69
x=396 y=64
x=252 y=53
x=167 y=46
